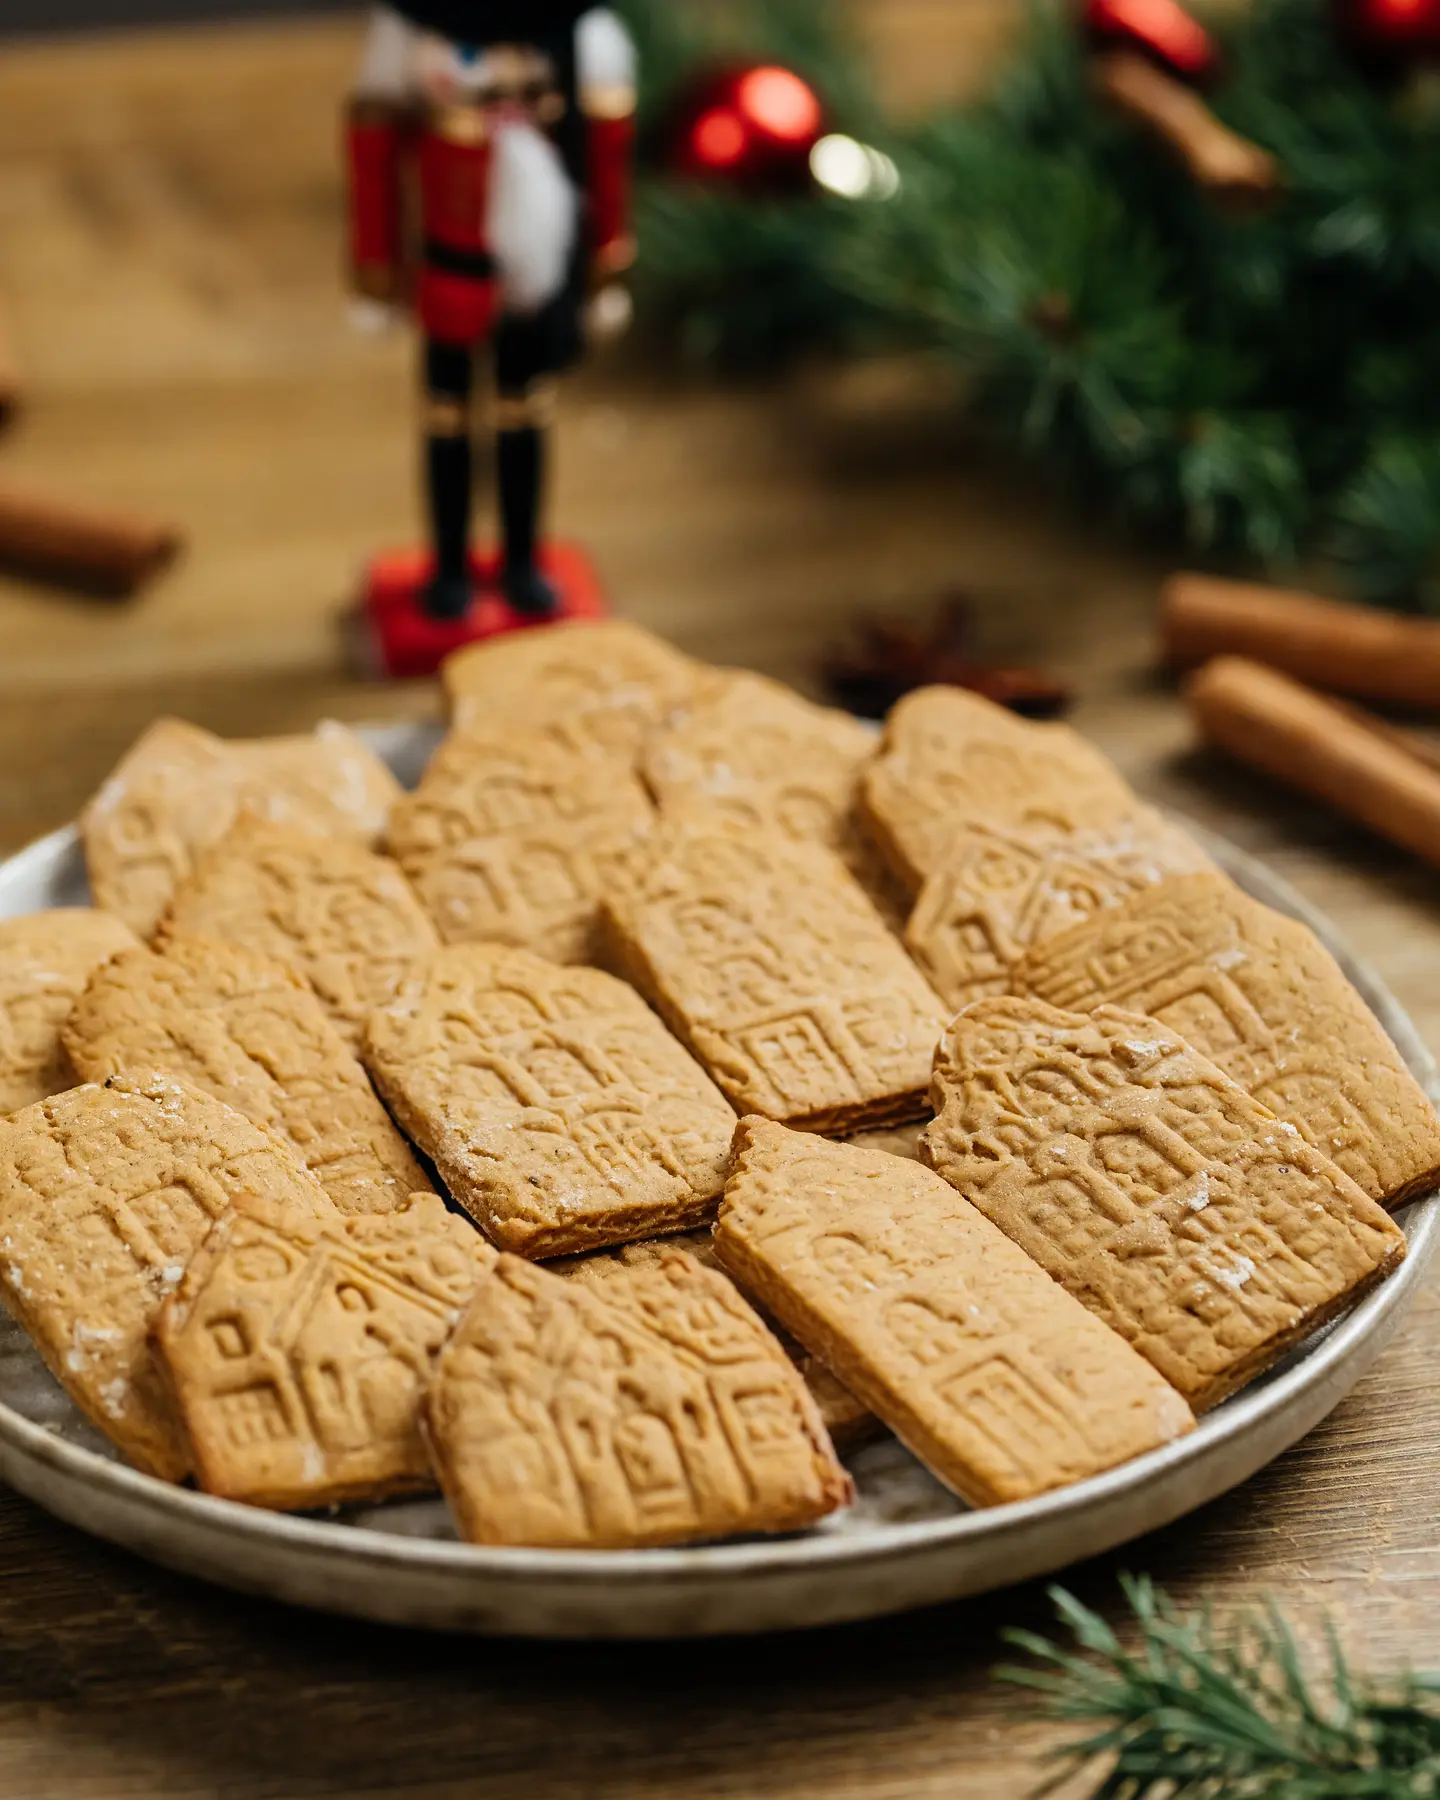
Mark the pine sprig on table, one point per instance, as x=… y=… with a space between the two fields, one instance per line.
x=1228 y=1712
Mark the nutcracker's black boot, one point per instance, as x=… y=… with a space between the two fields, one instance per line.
x=448 y=471
x=521 y=455
x=449 y=375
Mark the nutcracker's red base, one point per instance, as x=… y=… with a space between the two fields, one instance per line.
x=403 y=641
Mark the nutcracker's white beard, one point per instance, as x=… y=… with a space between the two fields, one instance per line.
x=533 y=216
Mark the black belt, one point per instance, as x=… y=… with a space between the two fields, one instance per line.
x=479 y=265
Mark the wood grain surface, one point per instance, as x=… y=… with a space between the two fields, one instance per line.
x=168 y=258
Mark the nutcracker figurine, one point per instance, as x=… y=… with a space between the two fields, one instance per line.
x=1154 y=62
x=490 y=153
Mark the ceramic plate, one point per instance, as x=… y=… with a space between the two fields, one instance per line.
x=906 y=1543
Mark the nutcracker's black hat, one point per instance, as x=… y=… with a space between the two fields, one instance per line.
x=494 y=21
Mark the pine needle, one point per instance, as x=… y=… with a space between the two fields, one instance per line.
x=1222 y=1712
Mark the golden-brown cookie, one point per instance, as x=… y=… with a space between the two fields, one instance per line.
x=250 y=1031
x=328 y=781
x=297 y=1352
x=766 y=958
x=171 y=792
x=1262 y=997
x=951 y=760
x=1000 y=1383
x=849 y=1422
x=597 y=686
x=179 y=789
x=759 y=757
x=1000 y=892
x=45 y=960
x=1183 y=1213
x=511 y=839
x=105 y=1194
x=556 y=1106
x=563 y=1418
x=342 y=916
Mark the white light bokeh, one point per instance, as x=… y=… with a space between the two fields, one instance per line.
x=853 y=170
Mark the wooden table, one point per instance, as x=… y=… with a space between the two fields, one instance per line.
x=168 y=222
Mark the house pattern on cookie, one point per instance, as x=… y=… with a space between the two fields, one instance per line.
x=586 y=1070
x=519 y=851
x=959 y=1341
x=317 y=1348
x=1193 y=971
x=1192 y=1222
x=1000 y=892
x=672 y=1418
x=793 y=993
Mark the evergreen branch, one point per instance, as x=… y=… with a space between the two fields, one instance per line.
x=1223 y=1713
x=1260 y=389
x=1386 y=529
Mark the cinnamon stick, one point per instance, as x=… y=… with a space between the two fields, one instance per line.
x=1353 y=649
x=1228 y=165
x=1331 y=751
x=102 y=552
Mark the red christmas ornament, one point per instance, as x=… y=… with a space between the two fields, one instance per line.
x=753 y=126
x=1398 y=31
x=1159 y=29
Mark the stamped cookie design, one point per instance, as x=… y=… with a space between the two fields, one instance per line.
x=328 y=782
x=1261 y=996
x=45 y=960
x=767 y=959
x=170 y=794
x=848 y=1421
x=1001 y=1383
x=590 y=686
x=298 y=1353
x=757 y=756
x=105 y=1194
x=509 y=839
x=998 y=893
x=571 y=1419
x=556 y=1106
x=343 y=917
x=250 y=1031
x=1184 y=1214
x=179 y=789
x=951 y=760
